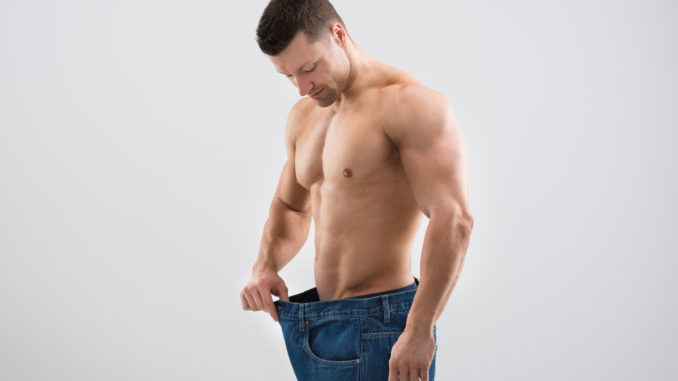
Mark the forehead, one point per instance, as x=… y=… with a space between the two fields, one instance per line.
x=299 y=52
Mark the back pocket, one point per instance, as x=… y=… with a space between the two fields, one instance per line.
x=333 y=341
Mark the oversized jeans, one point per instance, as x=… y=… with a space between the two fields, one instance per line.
x=345 y=339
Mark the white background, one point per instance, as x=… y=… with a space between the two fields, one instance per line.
x=141 y=142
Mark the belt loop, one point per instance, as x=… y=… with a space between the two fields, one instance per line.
x=301 y=317
x=387 y=310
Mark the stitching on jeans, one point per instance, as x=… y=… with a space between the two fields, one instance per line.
x=360 y=355
x=307 y=347
x=353 y=314
x=368 y=335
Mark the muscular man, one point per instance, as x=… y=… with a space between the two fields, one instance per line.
x=370 y=152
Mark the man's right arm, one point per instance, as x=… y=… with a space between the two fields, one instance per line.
x=285 y=230
x=289 y=221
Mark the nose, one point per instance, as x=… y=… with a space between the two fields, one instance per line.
x=304 y=86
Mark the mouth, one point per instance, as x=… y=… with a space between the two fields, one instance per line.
x=317 y=93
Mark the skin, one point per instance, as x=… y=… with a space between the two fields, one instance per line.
x=367 y=160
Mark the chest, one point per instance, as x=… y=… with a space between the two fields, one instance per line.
x=343 y=148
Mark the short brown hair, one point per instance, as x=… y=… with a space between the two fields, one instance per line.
x=282 y=19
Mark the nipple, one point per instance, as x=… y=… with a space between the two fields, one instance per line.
x=347 y=172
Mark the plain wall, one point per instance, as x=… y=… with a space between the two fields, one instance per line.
x=141 y=142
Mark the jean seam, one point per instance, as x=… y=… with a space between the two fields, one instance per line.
x=376 y=312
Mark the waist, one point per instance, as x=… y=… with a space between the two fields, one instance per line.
x=306 y=304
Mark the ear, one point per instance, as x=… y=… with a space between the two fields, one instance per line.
x=338 y=34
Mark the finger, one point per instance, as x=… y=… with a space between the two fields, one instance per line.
x=282 y=293
x=424 y=374
x=403 y=374
x=268 y=304
x=257 y=299
x=250 y=302
x=392 y=373
x=243 y=302
x=413 y=375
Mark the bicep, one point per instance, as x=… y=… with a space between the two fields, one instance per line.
x=432 y=153
x=289 y=191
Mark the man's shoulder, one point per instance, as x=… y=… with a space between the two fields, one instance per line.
x=409 y=95
x=297 y=118
x=409 y=102
x=302 y=108
x=412 y=108
x=397 y=85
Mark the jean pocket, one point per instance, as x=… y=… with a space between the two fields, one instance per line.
x=333 y=341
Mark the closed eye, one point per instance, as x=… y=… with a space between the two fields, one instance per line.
x=308 y=71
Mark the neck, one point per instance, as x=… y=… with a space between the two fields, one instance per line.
x=360 y=68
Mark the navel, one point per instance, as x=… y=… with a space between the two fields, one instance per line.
x=348 y=172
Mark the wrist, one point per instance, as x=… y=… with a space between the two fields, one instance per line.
x=418 y=324
x=264 y=267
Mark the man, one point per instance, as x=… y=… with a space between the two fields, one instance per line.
x=370 y=152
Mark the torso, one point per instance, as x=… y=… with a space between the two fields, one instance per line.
x=363 y=209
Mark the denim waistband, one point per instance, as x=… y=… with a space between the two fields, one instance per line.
x=307 y=305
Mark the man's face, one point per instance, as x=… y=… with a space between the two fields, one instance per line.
x=320 y=66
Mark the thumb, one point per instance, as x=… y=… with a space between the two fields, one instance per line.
x=283 y=293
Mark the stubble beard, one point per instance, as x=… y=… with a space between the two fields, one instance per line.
x=325 y=97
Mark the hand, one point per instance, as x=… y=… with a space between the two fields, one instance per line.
x=257 y=293
x=411 y=355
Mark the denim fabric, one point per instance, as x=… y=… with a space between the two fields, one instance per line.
x=348 y=338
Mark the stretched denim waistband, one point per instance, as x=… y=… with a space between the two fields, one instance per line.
x=305 y=305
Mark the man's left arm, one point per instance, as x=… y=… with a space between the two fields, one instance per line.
x=434 y=160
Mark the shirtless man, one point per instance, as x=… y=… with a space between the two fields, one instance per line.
x=370 y=152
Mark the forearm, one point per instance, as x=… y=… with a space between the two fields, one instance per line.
x=442 y=260
x=285 y=233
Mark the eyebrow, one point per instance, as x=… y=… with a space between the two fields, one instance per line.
x=309 y=62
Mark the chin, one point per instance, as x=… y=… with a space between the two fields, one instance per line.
x=324 y=102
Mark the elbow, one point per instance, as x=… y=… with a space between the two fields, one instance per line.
x=302 y=212
x=460 y=219
x=468 y=222
x=463 y=225
x=460 y=224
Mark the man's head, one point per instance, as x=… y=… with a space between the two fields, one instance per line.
x=306 y=41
